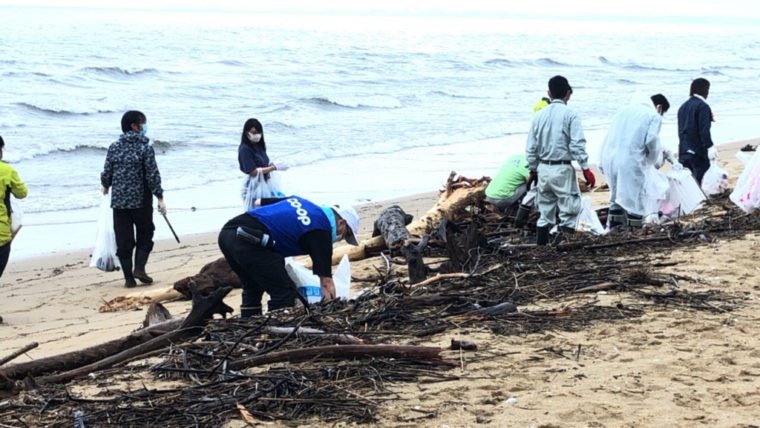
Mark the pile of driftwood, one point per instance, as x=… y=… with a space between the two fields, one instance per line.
x=335 y=361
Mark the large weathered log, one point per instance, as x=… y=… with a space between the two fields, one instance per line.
x=71 y=360
x=204 y=308
x=344 y=352
x=141 y=298
x=459 y=193
x=212 y=276
x=391 y=224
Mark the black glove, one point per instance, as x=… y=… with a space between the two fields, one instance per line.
x=532 y=178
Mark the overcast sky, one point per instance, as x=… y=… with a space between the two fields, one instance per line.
x=704 y=9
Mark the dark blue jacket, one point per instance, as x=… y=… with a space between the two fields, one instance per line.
x=289 y=220
x=252 y=156
x=694 y=120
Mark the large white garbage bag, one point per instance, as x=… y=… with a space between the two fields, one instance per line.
x=746 y=194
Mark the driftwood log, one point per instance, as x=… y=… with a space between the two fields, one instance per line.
x=204 y=308
x=458 y=193
x=343 y=352
x=74 y=359
x=140 y=299
x=391 y=224
x=212 y=276
x=99 y=357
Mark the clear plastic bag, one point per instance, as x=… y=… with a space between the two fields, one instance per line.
x=259 y=187
x=104 y=253
x=746 y=194
x=308 y=284
x=715 y=180
x=588 y=221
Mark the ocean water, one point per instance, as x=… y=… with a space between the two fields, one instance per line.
x=362 y=108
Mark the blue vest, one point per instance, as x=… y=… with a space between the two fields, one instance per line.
x=289 y=220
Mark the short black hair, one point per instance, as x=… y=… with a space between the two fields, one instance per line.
x=2 y=143
x=660 y=100
x=130 y=117
x=559 y=87
x=700 y=86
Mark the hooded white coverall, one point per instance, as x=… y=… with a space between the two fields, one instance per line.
x=556 y=138
x=629 y=154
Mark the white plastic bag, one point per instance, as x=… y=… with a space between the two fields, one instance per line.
x=529 y=199
x=655 y=193
x=259 y=187
x=104 y=254
x=715 y=180
x=308 y=284
x=17 y=218
x=684 y=194
x=746 y=194
x=588 y=221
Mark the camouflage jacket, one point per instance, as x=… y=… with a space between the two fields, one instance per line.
x=131 y=172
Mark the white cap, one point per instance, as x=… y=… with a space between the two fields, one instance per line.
x=351 y=217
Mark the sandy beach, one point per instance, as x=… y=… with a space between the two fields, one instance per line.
x=669 y=367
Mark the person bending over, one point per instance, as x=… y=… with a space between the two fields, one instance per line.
x=256 y=243
x=631 y=147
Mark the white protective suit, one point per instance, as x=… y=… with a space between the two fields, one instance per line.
x=629 y=154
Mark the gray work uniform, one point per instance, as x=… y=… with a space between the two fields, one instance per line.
x=556 y=138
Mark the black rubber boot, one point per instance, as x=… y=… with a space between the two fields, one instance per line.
x=523 y=213
x=250 y=311
x=141 y=258
x=542 y=235
x=126 y=268
x=616 y=218
x=634 y=220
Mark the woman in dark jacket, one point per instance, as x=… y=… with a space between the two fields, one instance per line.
x=253 y=160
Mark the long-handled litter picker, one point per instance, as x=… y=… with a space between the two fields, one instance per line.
x=171 y=228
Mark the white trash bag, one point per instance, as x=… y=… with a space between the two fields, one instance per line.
x=104 y=254
x=684 y=194
x=259 y=187
x=715 y=180
x=746 y=194
x=588 y=221
x=655 y=193
x=308 y=284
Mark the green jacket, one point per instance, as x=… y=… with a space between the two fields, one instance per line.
x=11 y=182
x=512 y=175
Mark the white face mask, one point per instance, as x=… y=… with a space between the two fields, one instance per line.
x=254 y=138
